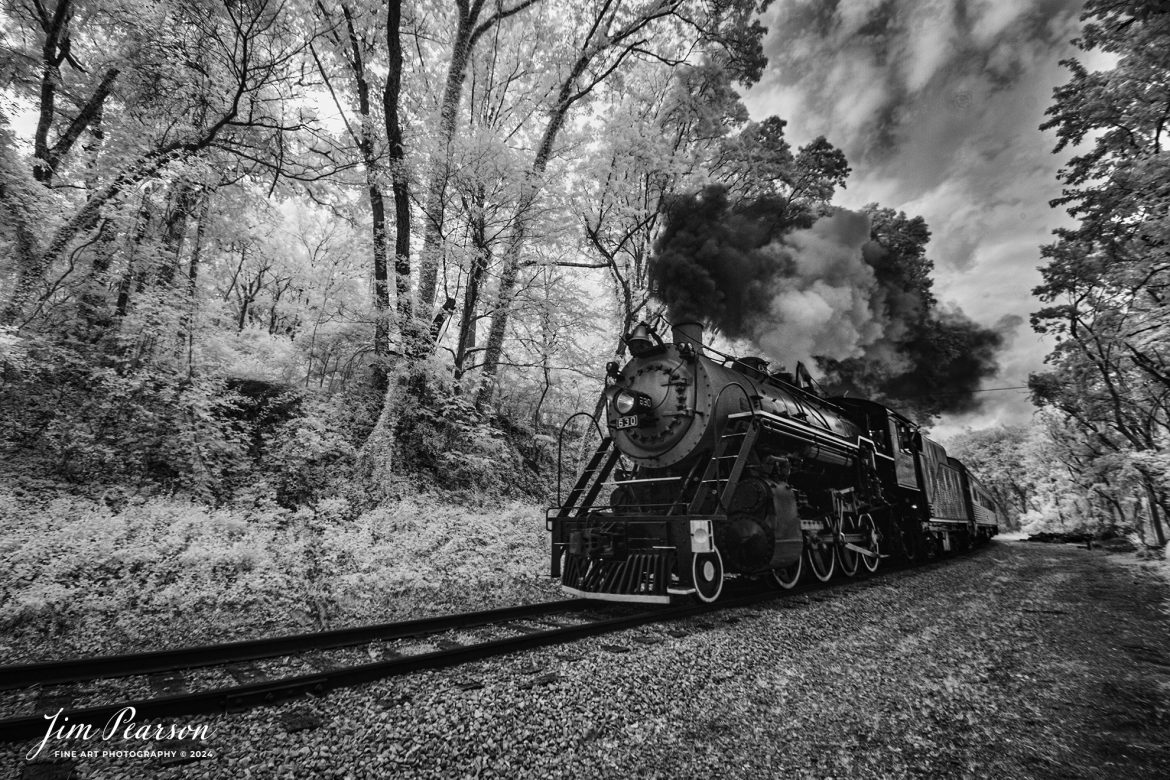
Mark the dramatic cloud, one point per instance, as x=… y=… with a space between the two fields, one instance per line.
x=884 y=74
x=937 y=105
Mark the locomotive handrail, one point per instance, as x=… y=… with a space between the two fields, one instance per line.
x=822 y=436
x=561 y=444
x=751 y=410
x=718 y=429
x=711 y=471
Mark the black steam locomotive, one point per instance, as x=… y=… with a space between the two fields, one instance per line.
x=711 y=468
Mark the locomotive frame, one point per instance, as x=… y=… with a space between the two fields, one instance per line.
x=712 y=468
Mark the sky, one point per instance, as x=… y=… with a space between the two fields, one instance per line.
x=937 y=105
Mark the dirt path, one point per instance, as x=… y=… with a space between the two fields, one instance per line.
x=1021 y=660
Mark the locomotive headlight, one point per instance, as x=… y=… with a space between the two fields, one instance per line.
x=625 y=402
x=700 y=536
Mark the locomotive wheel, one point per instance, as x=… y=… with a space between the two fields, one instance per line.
x=846 y=557
x=869 y=527
x=934 y=546
x=908 y=544
x=788 y=577
x=941 y=541
x=707 y=571
x=822 y=559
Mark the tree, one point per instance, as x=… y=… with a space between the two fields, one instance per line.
x=352 y=37
x=614 y=35
x=469 y=29
x=219 y=76
x=1106 y=278
x=998 y=457
x=662 y=128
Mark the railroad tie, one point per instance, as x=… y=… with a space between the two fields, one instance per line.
x=48 y=770
x=169 y=683
x=246 y=673
x=50 y=700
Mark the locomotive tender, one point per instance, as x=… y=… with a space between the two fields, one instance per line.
x=716 y=467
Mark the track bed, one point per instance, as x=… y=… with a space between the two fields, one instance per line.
x=1017 y=660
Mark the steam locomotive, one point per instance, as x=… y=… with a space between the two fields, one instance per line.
x=710 y=467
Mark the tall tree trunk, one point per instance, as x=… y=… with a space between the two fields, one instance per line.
x=187 y=325
x=1155 y=512
x=381 y=289
x=400 y=185
x=365 y=142
x=92 y=299
x=376 y=456
x=132 y=272
x=439 y=170
x=248 y=297
x=479 y=264
x=504 y=297
x=13 y=207
x=494 y=349
x=54 y=50
x=467 y=34
x=91 y=112
x=175 y=230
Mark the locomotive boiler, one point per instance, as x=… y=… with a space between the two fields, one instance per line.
x=710 y=467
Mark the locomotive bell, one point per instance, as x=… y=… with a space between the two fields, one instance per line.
x=642 y=339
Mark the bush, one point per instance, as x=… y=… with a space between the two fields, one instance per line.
x=75 y=417
x=82 y=415
x=444 y=439
x=100 y=423
x=76 y=561
x=96 y=578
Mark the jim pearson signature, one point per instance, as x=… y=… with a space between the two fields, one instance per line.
x=121 y=724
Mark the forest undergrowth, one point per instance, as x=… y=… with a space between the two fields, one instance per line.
x=140 y=511
x=81 y=577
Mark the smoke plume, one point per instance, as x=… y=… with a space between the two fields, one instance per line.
x=824 y=293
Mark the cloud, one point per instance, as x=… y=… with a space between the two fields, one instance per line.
x=873 y=70
x=937 y=105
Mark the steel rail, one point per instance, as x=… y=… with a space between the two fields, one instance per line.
x=268 y=692
x=79 y=669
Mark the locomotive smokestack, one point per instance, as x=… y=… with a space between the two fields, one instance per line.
x=688 y=333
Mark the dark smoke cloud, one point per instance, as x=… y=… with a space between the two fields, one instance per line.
x=820 y=292
x=792 y=287
x=948 y=356
x=708 y=265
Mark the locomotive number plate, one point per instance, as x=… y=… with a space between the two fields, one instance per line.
x=630 y=421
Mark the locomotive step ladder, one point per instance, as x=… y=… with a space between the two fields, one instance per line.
x=591 y=480
x=582 y=495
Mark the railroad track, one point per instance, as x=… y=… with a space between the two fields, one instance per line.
x=531 y=626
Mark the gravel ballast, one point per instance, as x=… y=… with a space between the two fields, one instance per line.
x=1018 y=660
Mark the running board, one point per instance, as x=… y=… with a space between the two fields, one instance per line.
x=633 y=597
